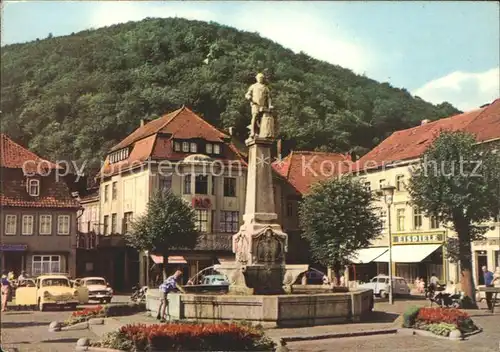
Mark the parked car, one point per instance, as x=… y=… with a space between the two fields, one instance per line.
x=52 y=290
x=99 y=289
x=214 y=280
x=380 y=286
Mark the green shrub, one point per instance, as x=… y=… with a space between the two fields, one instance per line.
x=409 y=316
x=441 y=329
x=115 y=340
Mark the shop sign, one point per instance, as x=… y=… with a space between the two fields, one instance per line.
x=203 y=203
x=13 y=247
x=407 y=238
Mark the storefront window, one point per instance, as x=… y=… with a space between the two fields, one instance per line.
x=201 y=220
x=46 y=264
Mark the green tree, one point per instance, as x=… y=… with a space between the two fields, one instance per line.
x=337 y=218
x=457 y=180
x=169 y=223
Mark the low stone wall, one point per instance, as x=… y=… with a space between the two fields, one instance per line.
x=270 y=311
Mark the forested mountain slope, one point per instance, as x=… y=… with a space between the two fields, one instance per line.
x=73 y=97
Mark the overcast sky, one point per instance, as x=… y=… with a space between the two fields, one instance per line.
x=437 y=50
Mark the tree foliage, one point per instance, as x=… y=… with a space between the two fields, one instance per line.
x=169 y=223
x=75 y=96
x=337 y=218
x=458 y=181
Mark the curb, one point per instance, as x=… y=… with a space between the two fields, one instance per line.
x=339 y=335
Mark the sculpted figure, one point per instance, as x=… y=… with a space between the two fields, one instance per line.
x=260 y=101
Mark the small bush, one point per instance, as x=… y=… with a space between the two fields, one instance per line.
x=409 y=316
x=442 y=329
x=189 y=337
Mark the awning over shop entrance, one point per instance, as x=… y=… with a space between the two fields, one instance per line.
x=158 y=259
x=409 y=253
x=368 y=255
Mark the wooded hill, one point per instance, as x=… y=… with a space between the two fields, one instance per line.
x=73 y=97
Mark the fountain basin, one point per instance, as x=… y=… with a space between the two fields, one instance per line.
x=287 y=310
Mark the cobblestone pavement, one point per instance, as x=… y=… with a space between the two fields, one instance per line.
x=28 y=331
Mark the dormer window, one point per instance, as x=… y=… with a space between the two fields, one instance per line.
x=193 y=147
x=209 y=148
x=216 y=149
x=119 y=155
x=177 y=147
x=185 y=147
x=34 y=188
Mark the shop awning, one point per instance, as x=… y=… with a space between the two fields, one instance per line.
x=409 y=253
x=367 y=255
x=158 y=259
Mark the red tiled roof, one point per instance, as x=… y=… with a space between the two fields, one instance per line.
x=302 y=169
x=45 y=202
x=154 y=140
x=13 y=155
x=411 y=143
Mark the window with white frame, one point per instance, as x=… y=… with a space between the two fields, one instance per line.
x=368 y=186
x=187 y=184
x=201 y=220
x=177 y=147
x=400 y=216
x=34 y=188
x=63 y=225
x=434 y=222
x=10 y=224
x=46 y=264
x=45 y=224
x=417 y=218
x=383 y=218
x=27 y=226
x=165 y=183
x=400 y=183
x=216 y=149
x=229 y=221
x=381 y=183
x=106 y=193
x=185 y=147
x=194 y=147
x=209 y=148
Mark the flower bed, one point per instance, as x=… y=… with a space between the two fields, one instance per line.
x=439 y=321
x=187 y=337
x=109 y=310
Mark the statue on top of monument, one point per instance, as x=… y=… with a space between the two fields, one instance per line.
x=260 y=101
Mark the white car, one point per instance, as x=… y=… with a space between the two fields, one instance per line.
x=99 y=289
x=380 y=286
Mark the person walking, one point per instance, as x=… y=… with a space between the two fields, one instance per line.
x=169 y=285
x=5 y=290
x=488 y=282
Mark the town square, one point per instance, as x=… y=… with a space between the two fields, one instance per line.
x=176 y=179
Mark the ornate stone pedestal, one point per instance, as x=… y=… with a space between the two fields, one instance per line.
x=260 y=246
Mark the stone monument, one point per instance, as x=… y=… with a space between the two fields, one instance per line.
x=260 y=246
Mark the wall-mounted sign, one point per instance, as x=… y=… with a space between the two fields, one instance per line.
x=422 y=237
x=203 y=203
x=13 y=247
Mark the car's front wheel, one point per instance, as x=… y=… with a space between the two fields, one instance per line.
x=382 y=294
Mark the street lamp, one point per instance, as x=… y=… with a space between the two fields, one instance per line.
x=388 y=192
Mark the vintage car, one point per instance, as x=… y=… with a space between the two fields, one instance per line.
x=52 y=290
x=99 y=289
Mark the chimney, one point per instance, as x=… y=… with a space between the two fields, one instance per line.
x=424 y=122
x=231 y=131
x=278 y=146
x=143 y=122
